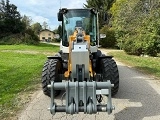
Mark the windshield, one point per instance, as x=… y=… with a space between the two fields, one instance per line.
x=82 y=18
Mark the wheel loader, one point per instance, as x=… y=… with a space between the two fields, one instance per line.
x=79 y=69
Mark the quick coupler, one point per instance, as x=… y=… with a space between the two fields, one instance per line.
x=81 y=97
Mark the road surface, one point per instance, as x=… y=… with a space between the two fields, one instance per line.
x=138 y=99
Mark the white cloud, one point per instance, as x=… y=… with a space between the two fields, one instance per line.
x=74 y=4
x=45 y=10
x=40 y=19
x=34 y=2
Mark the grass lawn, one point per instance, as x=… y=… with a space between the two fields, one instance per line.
x=150 y=65
x=20 y=71
x=42 y=47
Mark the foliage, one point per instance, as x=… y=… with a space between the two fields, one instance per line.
x=10 y=21
x=36 y=27
x=110 y=40
x=15 y=29
x=137 y=26
x=102 y=6
x=27 y=21
x=58 y=31
x=45 y=25
x=28 y=38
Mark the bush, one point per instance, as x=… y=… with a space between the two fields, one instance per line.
x=110 y=40
x=27 y=38
x=152 y=45
x=133 y=46
x=136 y=28
x=147 y=43
x=57 y=40
x=12 y=39
x=30 y=37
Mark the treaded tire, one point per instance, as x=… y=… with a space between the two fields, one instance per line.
x=51 y=69
x=110 y=72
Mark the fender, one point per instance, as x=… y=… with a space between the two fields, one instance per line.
x=55 y=57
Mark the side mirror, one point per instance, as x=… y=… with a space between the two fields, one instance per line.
x=56 y=36
x=60 y=16
x=102 y=35
x=60 y=13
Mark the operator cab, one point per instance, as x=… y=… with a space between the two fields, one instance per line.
x=78 y=19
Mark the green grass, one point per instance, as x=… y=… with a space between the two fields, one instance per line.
x=40 y=47
x=150 y=65
x=19 y=72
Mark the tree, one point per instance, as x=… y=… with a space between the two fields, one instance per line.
x=103 y=7
x=27 y=21
x=59 y=31
x=110 y=40
x=10 y=18
x=36 y=27
x=55 y=31
x=45 y=25
x=13 y=28
x=136 y=24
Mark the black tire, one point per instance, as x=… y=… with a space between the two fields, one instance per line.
x=51 y=69
x=109 y=71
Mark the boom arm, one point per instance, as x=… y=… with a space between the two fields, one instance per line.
x=79 y=54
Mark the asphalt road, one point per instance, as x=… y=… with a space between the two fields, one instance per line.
x=138 y=99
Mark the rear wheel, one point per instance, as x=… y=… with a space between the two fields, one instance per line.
x=51 y=70
x=109 y=71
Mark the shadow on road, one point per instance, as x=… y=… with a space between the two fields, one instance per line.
x=142 y=100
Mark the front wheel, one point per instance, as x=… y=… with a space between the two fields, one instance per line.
x=51 y=70
x=109 y=71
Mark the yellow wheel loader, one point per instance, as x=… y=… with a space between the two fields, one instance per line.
x=79 y=68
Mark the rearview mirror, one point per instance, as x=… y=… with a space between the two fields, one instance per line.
x=60 y=16
x=102 y=35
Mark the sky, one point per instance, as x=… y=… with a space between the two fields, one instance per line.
x=45 y=10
